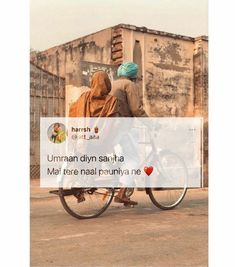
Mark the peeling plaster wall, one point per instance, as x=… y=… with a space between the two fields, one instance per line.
x=169 y=77
x=167 y=72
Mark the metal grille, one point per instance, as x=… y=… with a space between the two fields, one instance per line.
x=34 y=171
x=45 y=101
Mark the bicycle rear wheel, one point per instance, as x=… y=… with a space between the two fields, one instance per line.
x=96 y=201
x=170 y=167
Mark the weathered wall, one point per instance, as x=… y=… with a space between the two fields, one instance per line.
x=200 y=70
x=64 y=60
x=166 y=65
x=167 y=71
x=169 y=76
x=47 y=99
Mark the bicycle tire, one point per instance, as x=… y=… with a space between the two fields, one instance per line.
x=79 y=216
x=151 y=191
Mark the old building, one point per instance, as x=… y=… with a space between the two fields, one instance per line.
x=173 y=70
x=47 y=99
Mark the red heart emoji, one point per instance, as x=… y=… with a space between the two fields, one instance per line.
x=148 y=170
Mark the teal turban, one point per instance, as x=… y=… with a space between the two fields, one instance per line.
x=128 y=69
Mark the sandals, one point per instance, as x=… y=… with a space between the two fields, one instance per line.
x=80 y=198
x=79 y=194
x=126 y=201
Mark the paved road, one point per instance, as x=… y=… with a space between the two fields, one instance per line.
x=140 y=236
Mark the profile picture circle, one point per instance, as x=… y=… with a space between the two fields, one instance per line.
x=57 y=133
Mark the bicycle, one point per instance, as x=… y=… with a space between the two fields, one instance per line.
x=97 y=200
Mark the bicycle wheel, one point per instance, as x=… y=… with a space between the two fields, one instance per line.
x=96 y=201
x=171 y=168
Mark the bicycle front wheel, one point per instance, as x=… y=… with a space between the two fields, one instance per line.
x=172 y=168
x=94 y=201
